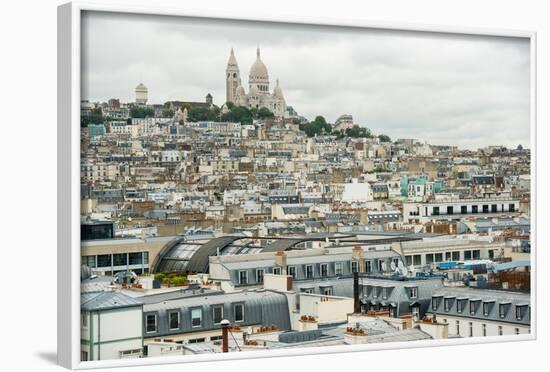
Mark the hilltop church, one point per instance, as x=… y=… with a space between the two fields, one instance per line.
x=258 y=87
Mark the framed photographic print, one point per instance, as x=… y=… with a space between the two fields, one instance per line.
x=236 y=187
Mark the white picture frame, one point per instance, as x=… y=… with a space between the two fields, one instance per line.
x=68 y=261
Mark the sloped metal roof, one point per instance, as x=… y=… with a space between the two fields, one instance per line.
x=93 y=301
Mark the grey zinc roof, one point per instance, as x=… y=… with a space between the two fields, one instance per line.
x=399 y=292
x=93 y=301
x=260 y=307
x=479 y=296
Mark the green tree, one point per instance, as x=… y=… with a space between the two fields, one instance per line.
x=167 y=113
x=196 y=113
x=95 y=117
x=141 y=112
x=358 y=132
x=264 y=113
x=317 y=127
x=384 y=138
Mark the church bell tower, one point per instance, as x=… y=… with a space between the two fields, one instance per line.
x=232 y=77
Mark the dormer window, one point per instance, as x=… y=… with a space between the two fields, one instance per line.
x=459 y=306
x=501 y=310
x=520 y=311
x=472 y=307
x=486 y=308
x=413 y=292
x=374 y=292
x=385 y=293
x=446 y=304
x=434 y=303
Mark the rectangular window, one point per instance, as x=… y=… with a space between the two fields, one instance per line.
x=463 y=209
x=500 y=330
x=324 y=270
x=447 y=256
x=291 y=271
x=408 y=260
x=501 y=312
x=217 y=314
x=458 y=327
x=467 y=255
x=385 y=293
x=368 y=266
x=459 y=306
x=104 y=260
x=476 y=254
x=83 y=356
x=309 y=271
x=327 y=291
x=429 y=258
x=471 y=327
x=493 y=208
x=474 y=208
x=196 y=317
x=434 y=303
x=243 y=277
x=196 y=340
x=456 y=256
x=277 y=270
x=151 y=323
x=174 y=319
x=417 y=260
x=338 y=268
x=354 y=266
x=435 y=211
x=413 y=292
x=135 y=258
x=447 y=304
x=511 y=208
x=259 y=275
x=486 y=308
x=438 y=257
x=450 y=209
x=119 y=259
x=415 y=312
x=472 y=307
x=239 y=312
x=519 y=312
x=84 y=320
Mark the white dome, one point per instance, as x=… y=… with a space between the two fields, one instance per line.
x=258 y=69
x=141 y=87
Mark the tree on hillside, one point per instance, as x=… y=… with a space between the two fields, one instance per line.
x=141 y=112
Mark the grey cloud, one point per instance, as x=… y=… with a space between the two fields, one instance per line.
x=464 y=90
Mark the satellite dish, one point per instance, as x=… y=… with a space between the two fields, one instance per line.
x=392 y=265
x=384 y=266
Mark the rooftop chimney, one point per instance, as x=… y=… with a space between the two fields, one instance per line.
x=225 y=339
x=356 y=302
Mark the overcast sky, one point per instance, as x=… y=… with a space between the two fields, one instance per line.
x=470 y=91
